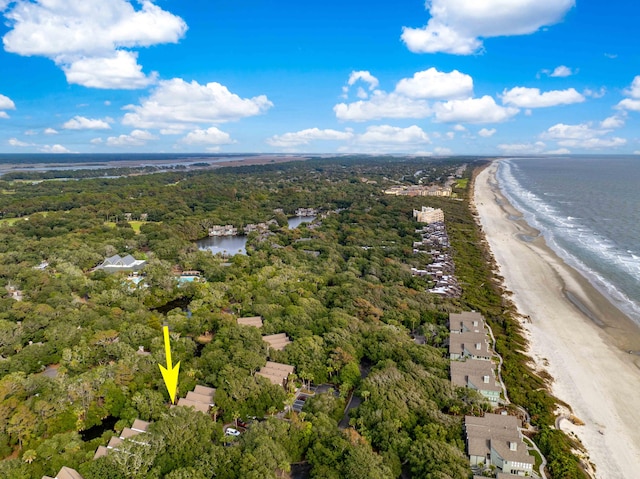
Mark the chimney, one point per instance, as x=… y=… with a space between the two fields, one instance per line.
x=513 y=445
x=486 y=379
x=478 y=346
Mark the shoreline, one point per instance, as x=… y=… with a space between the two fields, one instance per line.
x=575 y=334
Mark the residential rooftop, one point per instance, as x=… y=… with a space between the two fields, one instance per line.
x=255 y=321
x=277 y=373
x=277 y=341
x=66 y=473
x=468 y=321
x=469 y=345
x=475 y=374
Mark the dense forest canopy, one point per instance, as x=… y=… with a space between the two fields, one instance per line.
x=71 y=370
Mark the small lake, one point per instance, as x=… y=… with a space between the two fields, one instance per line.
x=232 y=245
x=298 y=220
x=225 y=245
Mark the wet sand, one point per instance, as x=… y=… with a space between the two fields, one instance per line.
x=574 y=333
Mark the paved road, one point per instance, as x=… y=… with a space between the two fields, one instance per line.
x=354 y=402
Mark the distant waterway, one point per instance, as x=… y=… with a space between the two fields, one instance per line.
x=236 y=244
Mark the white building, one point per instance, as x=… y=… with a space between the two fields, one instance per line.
x=429 y=215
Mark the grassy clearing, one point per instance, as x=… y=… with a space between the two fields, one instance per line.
x=135 y=225
x=10 y=221
x=462 y=183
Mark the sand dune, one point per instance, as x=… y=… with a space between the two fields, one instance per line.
x=578 y=336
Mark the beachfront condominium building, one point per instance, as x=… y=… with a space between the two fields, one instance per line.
x=467 y=321
x=469 y=345
x=495 y=440
x=478 y=375
x=429 y=215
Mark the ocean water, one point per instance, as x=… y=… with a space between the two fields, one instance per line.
x=588 y=210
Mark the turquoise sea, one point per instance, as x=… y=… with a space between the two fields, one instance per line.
x=588 y=210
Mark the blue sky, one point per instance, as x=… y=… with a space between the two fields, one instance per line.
x=447 y=77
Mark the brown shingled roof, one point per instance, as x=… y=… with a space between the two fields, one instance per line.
x=255 y=321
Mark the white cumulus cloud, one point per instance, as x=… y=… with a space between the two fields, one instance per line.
x=386 y=134
x=50 y=131
x=595 y=143
x=365 y=76
x=561 y=71
x=599 y=93
x=473 y=110
x=433 y=84
x=457 y=26
x=118 y=71
x=486 y=133
x=304 y=137
x=57 y=148
x=80 y=35
x=409 y=99
x=83 y=123
x=210 y=136
x=176 y=105
x=629 y=104
x=382 y=105
x=6 y=103
x=582 y=135
x=135 y=138
x=17 y=143
x=522 y=148
x=532 y=97
x=612 y=122
x=582 y=131
x=633 y=91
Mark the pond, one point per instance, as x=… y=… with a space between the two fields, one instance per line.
x=232 y=245
x=298 y=220
x=225 y=245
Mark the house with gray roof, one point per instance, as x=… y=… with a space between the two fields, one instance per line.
x=277 y=341
x=201 y=399
x=277 y=373
x=255 y=321
x=138 y=427
x=495 y=440
x=117 y=263
x=478 y=375
x=66 y=473
x=469 y=345
x=467 y=321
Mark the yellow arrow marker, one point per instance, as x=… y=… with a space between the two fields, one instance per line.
x=170 y=373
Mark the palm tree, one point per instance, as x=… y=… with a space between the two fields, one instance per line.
x=215 y=410
x=236 y=416
x=29 y=456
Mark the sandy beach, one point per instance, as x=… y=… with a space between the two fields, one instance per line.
x=574 y=333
